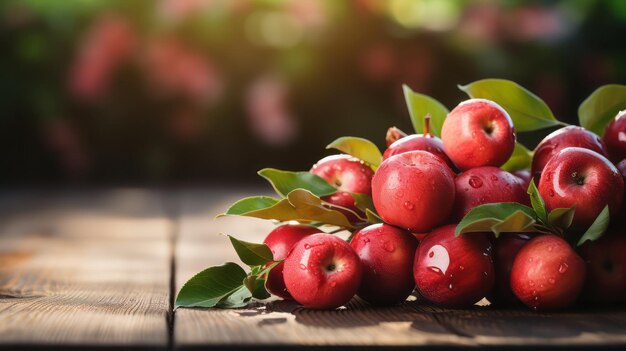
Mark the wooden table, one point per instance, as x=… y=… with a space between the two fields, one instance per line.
x=100 y=268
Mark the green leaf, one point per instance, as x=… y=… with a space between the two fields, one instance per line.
x=601 y=107
x=360 y=148
x=537 y=202
x=526 y=109
x=420 y=105
x=519 y=160
x=372 y=217
x=363 y=202
x=256 y=285
x=497 y=218
x=597 y=228
x=251 y=254
x=250 y=204
x=238 y=298
x=561 y=218
x=209 y=287
x=286 y=181
x=302 y=206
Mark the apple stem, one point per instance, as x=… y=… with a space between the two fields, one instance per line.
x=427 y=125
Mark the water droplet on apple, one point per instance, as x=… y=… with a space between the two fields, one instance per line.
x=461 y=268
x=408 y=205
x=531 y=283
x=450 y=286
x=551 y=280
x=563 y=268
x=333 y=284
x=431 y=254
x=399 y=193
x=302 y=267
x=389 y=247
x=494 y=177
x=307 y=246
x=530 y=259
x=550 y=248
x=475 y=182
x=366 y=240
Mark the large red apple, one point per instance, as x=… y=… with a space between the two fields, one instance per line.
x=606 y=267
x=454 y=271
x=570 y=136
x=280 y=241
x=322 y=271
x=387 y=255
x=582 y=178
x=615 y=137
x=547 y=274
x=414 y=191
x=477 y=133
x=484 y=185
x=348 y=175
x=505 y=250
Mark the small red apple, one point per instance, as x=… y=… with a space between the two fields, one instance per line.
x=477 y=133
x=454 y=271
x=570 y=136
x=387 y=255
x=280 y=241
x=349 y=175
x=547 y=274
x=414 y=191
x=615 y=137
x=606 y=267
x=505 y=250
x=484 y=185
x=581 y=177
x=322 y=271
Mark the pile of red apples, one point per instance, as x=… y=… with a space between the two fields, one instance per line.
x=426 y=185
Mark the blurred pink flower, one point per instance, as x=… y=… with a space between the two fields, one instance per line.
x=535 y=22
x=107 y=44
x=173 y=68
x=180 y=9
x=310 y=13
x=270 y=117
x=482 y=22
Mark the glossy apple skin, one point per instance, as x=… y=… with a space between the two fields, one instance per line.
x=505 y=250
x=387 y=254
x=547 y=274
x=525 y=176
x=581 y=177
x=606 y=267
x=454 y=271
x=416 y=142
x=413 y=191
x=348 y=175
x=570 y=136
x=322 y=271
x=485 y=185
x=615 y=137
x=477 y=133
x=280 y=241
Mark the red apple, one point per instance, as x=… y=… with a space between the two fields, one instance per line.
x=606 y=267
x=525 y=176
x=348 y=175
x=414 y=191
x=505 y=250
x=570 y=136
x=484 y=185
x=584 y=178
x=280 y=241
x=615 y=137
x=547 y=274
x=322 y=271
x=454 y=271
x=387 y=255
x=477 y=133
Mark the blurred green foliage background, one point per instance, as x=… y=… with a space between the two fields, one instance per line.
x=192 y=91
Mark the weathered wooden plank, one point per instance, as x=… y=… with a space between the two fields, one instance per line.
x=413 y=324
x=89 y=268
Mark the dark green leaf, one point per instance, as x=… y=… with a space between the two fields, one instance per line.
x=537 y=202
x=250 y=204
x=519 y=160
x=209 y=287
x=285 y=181
x=360 y=148
x=372 y=217
x=597 y=228
x=497 y=217
x=561 y=218
x=601 y=107
x=526 y=109
x=251 y=254
x=238 y=298
x=420 y=105
x=363 y=202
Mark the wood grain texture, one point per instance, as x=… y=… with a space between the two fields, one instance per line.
x=85 y=269
x=415 y=324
